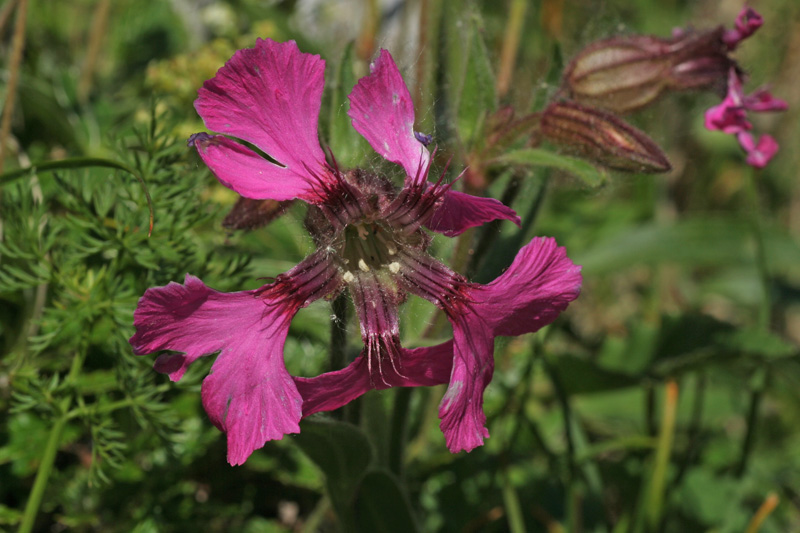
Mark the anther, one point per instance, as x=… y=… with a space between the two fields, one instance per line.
x=348 y=277
x=363 y=265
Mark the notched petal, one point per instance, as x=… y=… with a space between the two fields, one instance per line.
x=531 y=293
x=463 y=421
x=269 y=96
x=249 y=394
x=383 y=113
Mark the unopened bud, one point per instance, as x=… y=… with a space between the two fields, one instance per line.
x=601 y=137
x=625 y=73
x=250 y=214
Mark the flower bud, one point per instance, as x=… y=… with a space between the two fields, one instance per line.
x=602 y=138
x=250 y=214
x=625 y=73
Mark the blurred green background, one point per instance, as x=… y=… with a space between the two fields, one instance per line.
x=666 y=398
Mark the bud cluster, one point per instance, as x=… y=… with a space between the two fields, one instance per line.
x=622 y=74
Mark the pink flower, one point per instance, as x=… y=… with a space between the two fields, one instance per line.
x=730 y=117
x=747 y=23
x=370 y=242
x=758 y=154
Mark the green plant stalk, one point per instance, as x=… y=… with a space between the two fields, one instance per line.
x=655 y=493
x=430 y=413
x=765 y=309
x=51 y=448
x=516 y=522
x=339 y=333
x=761 y=377
x=397 y=437
x=42 y=476
x=314 y=520
x=426 y=66
x=511 y=40
x=17 y=46
x=759 y=381
x=769 y=505
x=695 y=428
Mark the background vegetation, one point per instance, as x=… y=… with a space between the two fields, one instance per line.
x=667 y=398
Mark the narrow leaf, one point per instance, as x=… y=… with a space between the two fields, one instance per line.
x=382 y=507
x=79 y=162
x=586 y=172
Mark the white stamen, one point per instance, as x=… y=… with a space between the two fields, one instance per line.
x=348 y=277
x=394 y=267
x=363 y=265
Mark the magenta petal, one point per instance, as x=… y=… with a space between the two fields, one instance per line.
x=461 y=410
x=249 y=394
x=421 y=367
x=189 y=318
x=332 y=390
x=383 y=113
x=747 y=23
x=241 y=169
x=270 y=96
x=530 y=294
x=762 y=100
x=727 y=118
x=758 y=155
x=252 y=397
x=460 y=211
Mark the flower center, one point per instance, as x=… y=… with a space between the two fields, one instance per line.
x=369 y=246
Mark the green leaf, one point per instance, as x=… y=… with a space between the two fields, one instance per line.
x=343 y=453
x=347 y=146
x=471 y=81
x=700 y=241
x=580 y=376
x=78 y=162
x=757 y=342
x=586 y=172
x=9 y=516
x=63 y=164
x=381 y=505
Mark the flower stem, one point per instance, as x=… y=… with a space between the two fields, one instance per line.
x=50 y=450
x=508 y=54
x=655 y=494
x=338 y=347
x=492 y=230
x=695 y=429
x=96 y=34
x=397 y=438
x=516 y=522
x=761 y=376
x=769 y=505
x=765 y=309
x=339 y=333
x=756 y=395
x=42 y=476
